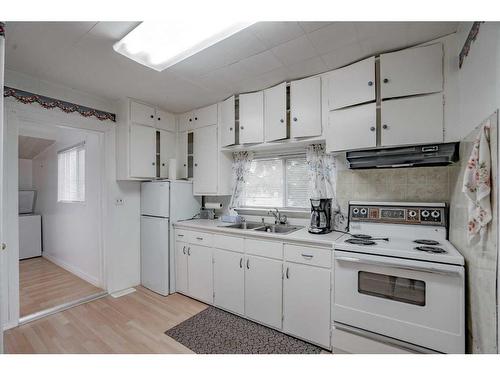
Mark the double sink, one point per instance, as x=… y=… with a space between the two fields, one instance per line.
x=270 y=228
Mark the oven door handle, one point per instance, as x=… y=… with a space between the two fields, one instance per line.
x=398 y=266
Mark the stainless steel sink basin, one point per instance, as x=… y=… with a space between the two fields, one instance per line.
x=244 y=225
x=283 y=229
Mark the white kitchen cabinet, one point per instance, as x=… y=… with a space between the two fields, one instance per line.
x=205 y=160
x=306 y=302
x=263 y=290
x=167 y=150
x=142 y=151
x=305 y=107
x=412 y=71
x=142 y=114
x=251 y=117
x=353 y=84
x=229 y=281
x=414 y=120
x=275 y=116
x=165 y=121
x=352 y=128
x=204 y=116
x=200 y=276
x=182 y=154
x=185 y=121
x=181 y=267
x=227 y=123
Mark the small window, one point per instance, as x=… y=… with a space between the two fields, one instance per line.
x=277 y=182
x=71 y=174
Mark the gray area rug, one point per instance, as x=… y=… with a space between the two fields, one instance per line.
x=214 y=331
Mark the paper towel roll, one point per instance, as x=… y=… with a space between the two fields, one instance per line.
x=213 y=205
x=172 y=169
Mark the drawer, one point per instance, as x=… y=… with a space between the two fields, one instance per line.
x=181 y=235
x=313 y=256
x=269 y=249
x=224 y=242
x=200 y=238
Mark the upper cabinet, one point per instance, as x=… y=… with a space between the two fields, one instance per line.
x=142 y=151
x=205 y=160
x=275 y=113
x=352 y=85
x=251 y=117
x=305 y=107
x=198 y=118
x=142 y=114
x=165 y=120
x=227 y=123
x=412 y=71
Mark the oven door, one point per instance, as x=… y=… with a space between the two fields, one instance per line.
x=413 y=301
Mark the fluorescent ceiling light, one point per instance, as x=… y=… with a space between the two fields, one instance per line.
x=159 y=45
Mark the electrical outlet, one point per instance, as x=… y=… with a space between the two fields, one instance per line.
x=119 y=202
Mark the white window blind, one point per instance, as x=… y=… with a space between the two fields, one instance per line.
x=277 y=182
x=71 y=174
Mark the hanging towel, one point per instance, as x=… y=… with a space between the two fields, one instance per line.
x=477 y=185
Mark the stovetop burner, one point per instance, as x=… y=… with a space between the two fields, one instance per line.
x=360 y=241
x=427 y=242
x=431 y=249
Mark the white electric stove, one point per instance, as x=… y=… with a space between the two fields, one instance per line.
x=398 y=280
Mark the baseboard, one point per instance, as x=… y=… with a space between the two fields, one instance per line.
x=9 y=325
x=68 y=267
x=122 y=293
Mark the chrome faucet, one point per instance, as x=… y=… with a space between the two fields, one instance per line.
x=278 y=217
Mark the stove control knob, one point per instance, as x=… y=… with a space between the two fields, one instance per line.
x=355 y=211
x=412 y=213
x=363 y=211
x=425 y=214
x=435 y=214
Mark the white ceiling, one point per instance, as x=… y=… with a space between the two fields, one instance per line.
x=29 y=147
x=80 y=55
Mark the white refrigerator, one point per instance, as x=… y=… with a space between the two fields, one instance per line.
x=162 y=204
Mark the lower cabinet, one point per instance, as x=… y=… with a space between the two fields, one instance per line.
x=263 y=290
x=229 y=281
x=200 y=276
x=181 y=267
x=306 y=302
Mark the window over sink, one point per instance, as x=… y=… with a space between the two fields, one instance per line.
x=277 y=182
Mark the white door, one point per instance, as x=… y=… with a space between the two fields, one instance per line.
x=275 y=113
x=155 y=199
x=412 y=71
x=306 y=303
x=167 y=150
x=352 y=85
x=227 y=122
x=165 y=120
x=200 y=271
x=182 y=152
x=229 y=281
x=205 y=116
x=181 y=267
x=251 y=108
x=154 y=254
x=263 y=290
x=415 y=120
x=142 y=151
x=205 y=160
x=142 y=114
x=352 y=128
x=2 y=245
x=305 y=107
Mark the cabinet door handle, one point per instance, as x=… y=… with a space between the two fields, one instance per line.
x=372 y=128
x=241 y=127
x=281 y=120
x=248 y=264
x=230 y=129
x=370 y=83
x=195 y=164
x=196 y=119
x=308 y=256
x=241 y=262
x=153 y=163
x=385 y=126
x=184 y=164
x=295 y=119
x=189 y=251
x=180 y=235
x=151 y=116
x=199 y=238
x=287 y=273
x=159 y=119
x=184 y=250
x=162 y=164
x=386 y=80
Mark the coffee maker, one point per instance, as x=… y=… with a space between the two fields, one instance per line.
x=321 y=216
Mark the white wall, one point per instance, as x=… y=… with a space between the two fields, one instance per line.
x=25 y=174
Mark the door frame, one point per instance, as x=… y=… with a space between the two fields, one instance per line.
x=15 y=114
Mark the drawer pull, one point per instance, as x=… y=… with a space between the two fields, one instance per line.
x=180 y=235
x=189 y=251
x=248 y=264
x=241 y=262
x=287 y=272
x=308 y=256
x=199 y=238
x=184 y=250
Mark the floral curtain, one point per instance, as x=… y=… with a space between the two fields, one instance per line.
x=322 y=174
x=241 y=167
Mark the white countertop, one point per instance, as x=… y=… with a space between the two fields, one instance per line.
x=301 y=235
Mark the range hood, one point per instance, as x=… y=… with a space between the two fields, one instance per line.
x=408 y=156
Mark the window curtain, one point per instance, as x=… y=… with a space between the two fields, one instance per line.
x=241 y=167
x=322 y=175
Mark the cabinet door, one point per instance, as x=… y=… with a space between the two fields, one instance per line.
x=142 y=151
x=181 y=267
x=182 y=157
x=306 y=303
x=205 y=160
x=167 y=150
x=165 y=120
x=227 y=122
x=142 y=114
x=413 y=120
x=305 y=107
x=263 y=290
x=186 y=121
x=200 y=273
x=229 y=281
x=352 y=128
x=412 y=71
x=251 y=108
x=205 y=116
x=352 y=85
x=275 y=113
